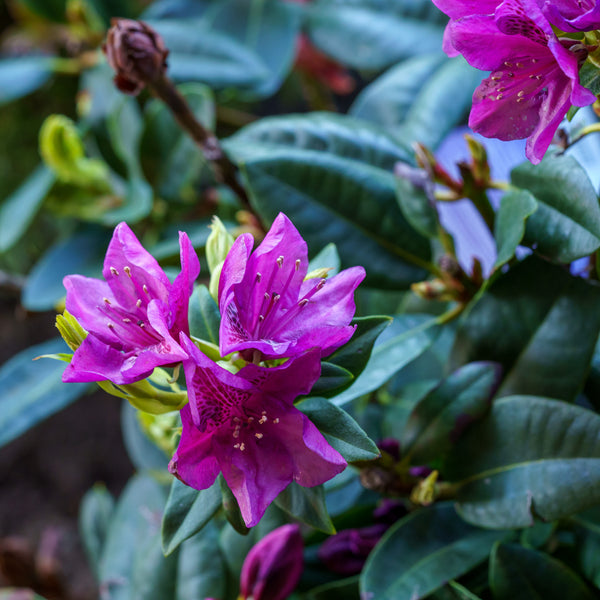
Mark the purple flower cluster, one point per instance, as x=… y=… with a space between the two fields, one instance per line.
x=534 y=76
x=238 y=422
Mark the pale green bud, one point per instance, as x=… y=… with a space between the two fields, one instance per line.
x=218 y=244
x=163 y=430
x=70 y=330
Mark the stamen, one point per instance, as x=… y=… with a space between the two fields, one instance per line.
x=276 y=420
x=250 y=420
x=258 y=277
x=106 y=301
x=519 y=65
x=145 y=288
x=242 y=446
x=297 y=266
x=280 y=261
x=262 y=420
x=110 y=326
x=139 y=302
x=127 y=270
x=258 y=436
x=507 y=64
x=499 y=97
x=126 y=320
x=114 y=271
x=303 y=302
x=521 y=94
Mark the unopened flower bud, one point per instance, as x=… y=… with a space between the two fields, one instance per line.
x=70 y=330
x=136 y=52
x=273 y=566
x=218 y=245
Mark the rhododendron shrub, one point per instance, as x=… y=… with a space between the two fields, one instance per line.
x=337 y=263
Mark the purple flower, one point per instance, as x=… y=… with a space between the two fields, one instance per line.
x=273 y=566
x=268 y=308
x=246 y=426
x=573 y=15
x=134 y=318
x=534 y=78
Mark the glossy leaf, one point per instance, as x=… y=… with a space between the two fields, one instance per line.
x=530 y=457
x=95 y=514
x=201 y=568
x=132 y=560
x=372 y=36
x=19 y=209
x=403 y=341
x=441 y=417
x=566 y=224
x=515 y=208
x=339 y=135
x=306 y=505
x=187 y=511
x=333 y=378
x=22 y=75
x=518 y=573
x=340 y=429
x=422 y=551
x=33 y=391
x=540 y=323
x=349 y=203
x=82 y=253
x=231 y=508
x=343 y=589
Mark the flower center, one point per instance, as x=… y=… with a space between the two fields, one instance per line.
x=247 y=429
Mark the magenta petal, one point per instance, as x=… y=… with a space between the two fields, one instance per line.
x=234 y=266
x=194 y=462
x=571 y=15
x=183 y=286
x=96 y=361
x=456 y=9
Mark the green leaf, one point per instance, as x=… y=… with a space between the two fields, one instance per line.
x=344 y=589
x=462 y=592
x=204 y=316
x=416 y=202
x=372 y=36
x=589 y=77
x=530 y=457
x=411 y=99
x=328 y=258
x=95 y=514
x=340 y=135
x=82 y=253
x=23 y=75
x=349 y=203
x=540 y=323
x=403 y=341
x=201 y=569
x=32 y=391
x=333 y=378
x=50 y=9
x=306 y=505
x=19 y=209
x=515 y=208
x=143 y=453
x=518 y=573
x=231 y=508
x=421 y=552
x=340 y=429
x=187 y=512
x=587 y=544
x=132 y=564
x=355 y=355
x=566 y=224
x=441 y=417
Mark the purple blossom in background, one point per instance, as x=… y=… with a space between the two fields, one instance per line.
x=134 y=318
x=246 y=426
x=268 y=308
x=273 y=566
x=461 y=219
x=573 y=15
x=534 y=79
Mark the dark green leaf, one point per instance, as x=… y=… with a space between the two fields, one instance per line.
x=589 y=77
x=332 y=378
x=231 y=508
x=306 y=505
x=132 y=563
x=566 y=224
x=32 y=391
x=368 y=36
x=20 y=208
x=201 y=569
x=187 y=512
x=518 y=573
x=416 y=201
x=462 y=592
x=95 y=514
x=344 y=589
x=516 y=207
x=421 y=552
x=540 y=323
x=83 y=254
x=530 y=457
x=204 y=316
x=349 y=203
x=328 y=258
x=23 y=75
x=50 y=9
x=340 y=135
x=340 y=429
x=403 y=341
x=439 y=419
x=144 y=454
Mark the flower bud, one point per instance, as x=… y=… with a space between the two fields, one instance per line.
x=273 y=566
x=136 y=52
x=218 y=244
x=70 y=330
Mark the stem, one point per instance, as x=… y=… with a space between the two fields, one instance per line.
x=594 y=128
x=451 y=314
x=482 y=204
x=225 y=171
